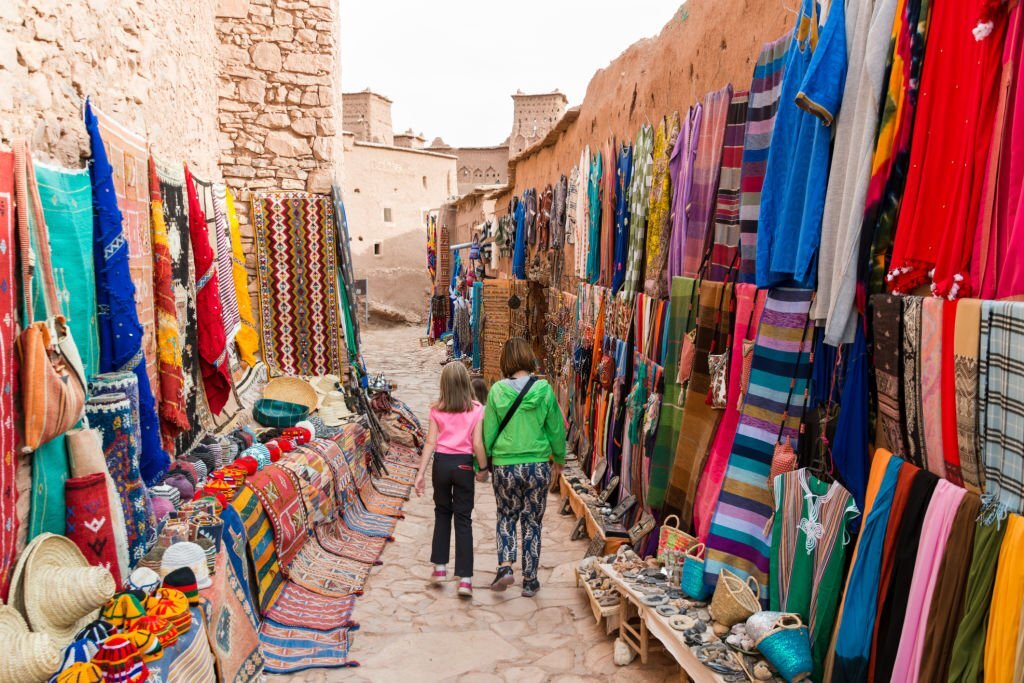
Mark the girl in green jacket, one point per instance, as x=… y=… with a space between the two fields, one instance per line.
x=525 y=438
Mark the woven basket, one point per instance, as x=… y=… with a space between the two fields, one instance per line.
x=292 y=390
x=692 y=583
x=787 y=647
x=734 y=600
x=673 y=538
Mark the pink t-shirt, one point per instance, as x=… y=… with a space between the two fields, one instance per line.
x=455 y=430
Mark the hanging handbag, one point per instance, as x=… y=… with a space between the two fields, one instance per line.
x=50 y=368
x=747 y=352
x=718 y=363
x=672 y=538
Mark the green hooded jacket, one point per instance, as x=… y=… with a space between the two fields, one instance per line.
x=536 y=431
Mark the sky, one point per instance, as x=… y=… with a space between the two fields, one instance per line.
x=451 y=66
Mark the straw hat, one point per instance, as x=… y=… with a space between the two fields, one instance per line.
x=292 y=390
x=27 y=656
x=189 y=555
x=54 y=586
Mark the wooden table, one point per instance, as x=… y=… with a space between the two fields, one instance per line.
x=637 y=622
x=582 y=511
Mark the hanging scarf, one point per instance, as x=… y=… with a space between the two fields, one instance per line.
x=968 y=651
x=174 y=418
x=930 y=364
x=247 y=340
x=119 y=328
x=680 y=167
x=965 y=363
x=888 y=343
x=915 y=443
x=213 y=355
x=8 y=437
x=948 y=597
x=1007 y=595
x=706 y=165
x=893 y=599
x=726 y=235
x=228 y=299
x=659 y=214
x=856 y=621
x=935 y=530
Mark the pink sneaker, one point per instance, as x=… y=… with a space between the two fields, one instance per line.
x=439 y=575
x=465 y=588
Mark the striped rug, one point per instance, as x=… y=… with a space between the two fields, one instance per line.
x=738 y=540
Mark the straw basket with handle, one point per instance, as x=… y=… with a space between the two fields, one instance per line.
x=734 y=599
x=671 y=537
x=787 y=646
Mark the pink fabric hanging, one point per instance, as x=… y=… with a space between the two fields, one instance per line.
x=718 y=457
x=938 y=522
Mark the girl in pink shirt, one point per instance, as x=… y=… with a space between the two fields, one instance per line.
x=454 y=437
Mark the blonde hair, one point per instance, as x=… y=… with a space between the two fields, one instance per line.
x=456 y=389
x=517 y=355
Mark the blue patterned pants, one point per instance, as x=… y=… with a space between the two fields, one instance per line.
x=522 y=495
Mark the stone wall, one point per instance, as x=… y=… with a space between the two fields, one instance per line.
x=152 y=66
x=389 y=191
x=279 y=97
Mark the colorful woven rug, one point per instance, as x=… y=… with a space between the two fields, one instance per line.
x=66 y=195
x=262 y=551
x=8 y=462
x=738 y=539
x=374 y=500
x=123 y=336
x=287 y=649
x=297 y=606
x=212 y=346
x=298 y=283
x=278 y=491
x=316 y=483
x=338 y=539
x=328 y=574
x=111 y=415
x=189 y=659
x=230 y=609
x=128 y=155
x=356 y=516
x=171 y=404
x=172 y=189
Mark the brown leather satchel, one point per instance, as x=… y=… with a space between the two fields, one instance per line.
x=50 y=367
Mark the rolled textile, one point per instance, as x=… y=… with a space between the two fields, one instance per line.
x=85 y=457
x=965 y=361
x=111 y=416
x=699 y=418
x=9 y=508
x=174 y=420
x=1001 y=407
x=948 y=597
x=121 y=333
x=935 y=530
x=855 y=623
x=670 y=419
x=930 y=363
x=887 y=311
x=968 y=654
x=749 y=306
x=247 y=340
x=1007 y=596
x=737 y=539
x=212 y=342
x=765 y=91
x=90 y=524
x=893 y=598
x=119 y=383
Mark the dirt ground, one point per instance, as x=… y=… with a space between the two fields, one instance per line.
x=413 y=631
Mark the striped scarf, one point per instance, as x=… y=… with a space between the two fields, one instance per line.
x=727 y=209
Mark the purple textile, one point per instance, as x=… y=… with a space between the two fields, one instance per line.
x=704 y=184
x=680 y=169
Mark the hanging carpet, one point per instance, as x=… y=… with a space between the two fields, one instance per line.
x=298 y=283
